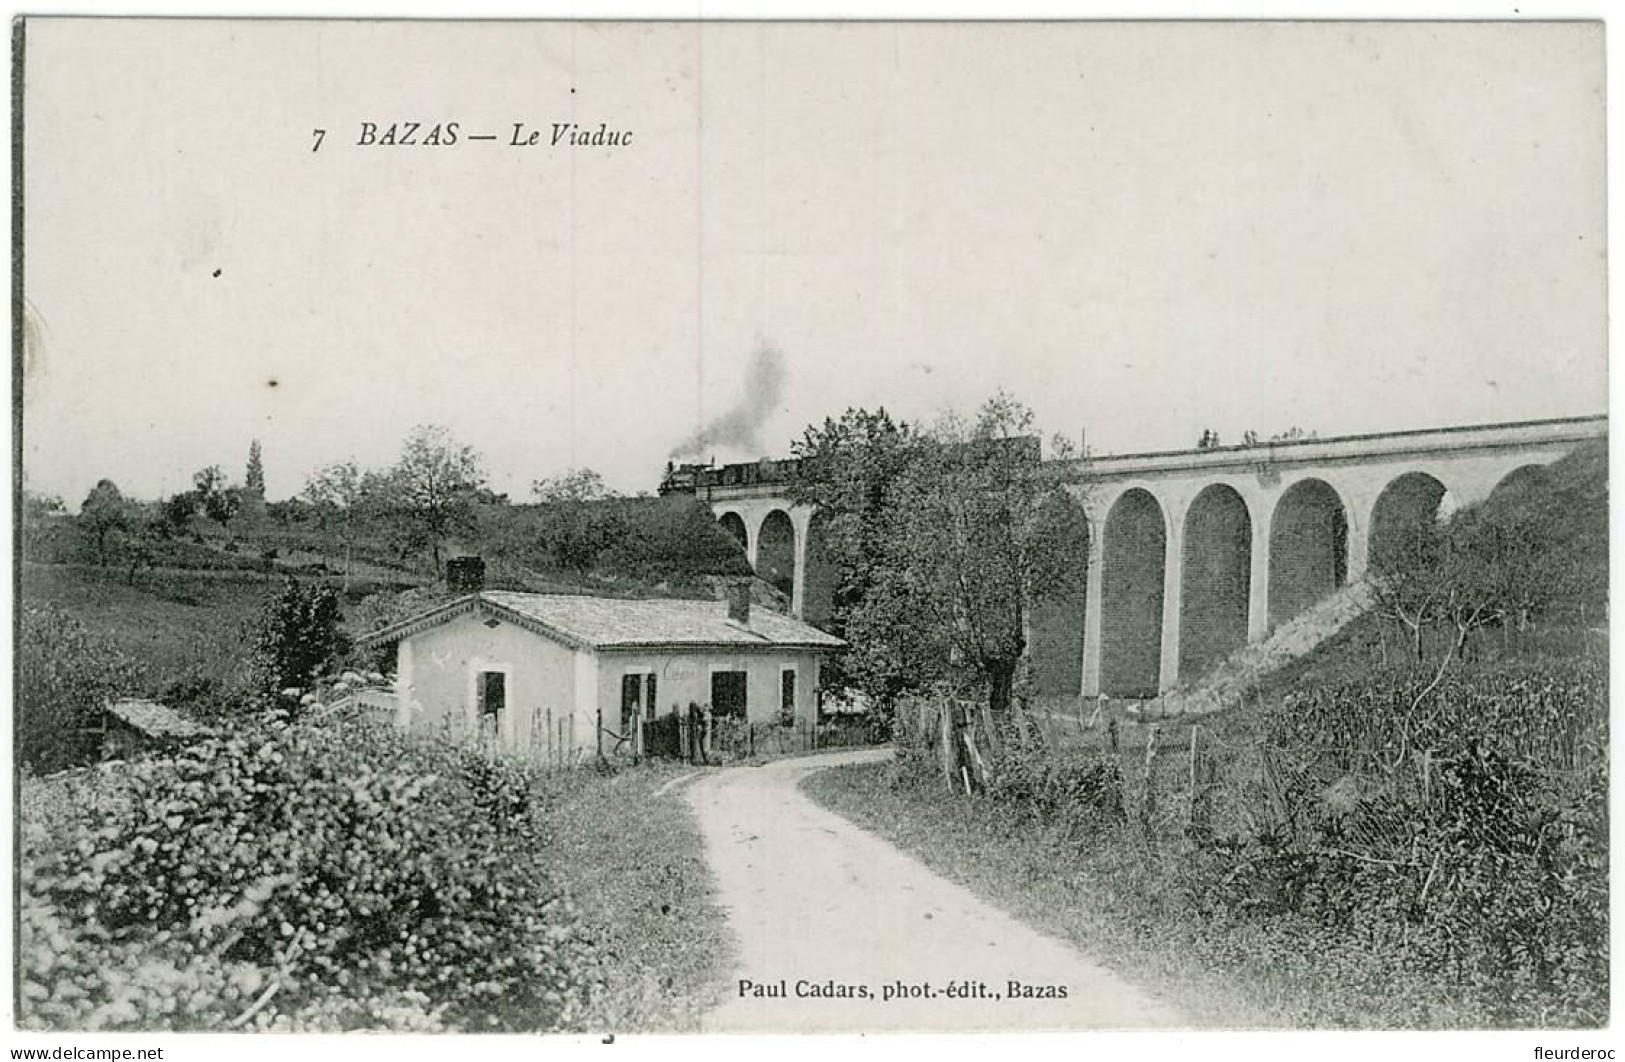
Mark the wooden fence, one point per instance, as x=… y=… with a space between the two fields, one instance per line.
x=1174 y=778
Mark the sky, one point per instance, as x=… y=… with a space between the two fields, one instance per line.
x=1141 y=230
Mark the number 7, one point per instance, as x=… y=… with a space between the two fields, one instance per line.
x=319 y=134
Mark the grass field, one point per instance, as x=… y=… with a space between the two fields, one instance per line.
x=176 y=625
x=635 y=863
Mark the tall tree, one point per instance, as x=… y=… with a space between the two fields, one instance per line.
x=942 y=543
x=254 y=474
x=849 y=470
x=972 y=533
x=106 y=517
x=434 y=486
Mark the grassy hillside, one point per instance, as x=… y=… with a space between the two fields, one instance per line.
x=180 y=628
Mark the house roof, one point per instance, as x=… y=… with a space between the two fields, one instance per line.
x=602 y=623
x=154 y=719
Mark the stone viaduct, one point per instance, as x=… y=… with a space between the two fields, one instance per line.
x=1194 y=553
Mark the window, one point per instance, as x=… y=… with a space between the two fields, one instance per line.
x=649 y=702
x=787 y=691
x=492 y=691
x=728 y=693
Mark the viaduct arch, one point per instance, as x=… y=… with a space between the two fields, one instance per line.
x=1191 y=554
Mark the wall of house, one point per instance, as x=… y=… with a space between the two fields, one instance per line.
x=682 y=678
x=437 y=670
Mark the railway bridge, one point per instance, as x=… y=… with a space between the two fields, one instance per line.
x=1193 y=553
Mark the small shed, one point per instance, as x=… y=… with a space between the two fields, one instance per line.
x=550 y=671
x=136 y=725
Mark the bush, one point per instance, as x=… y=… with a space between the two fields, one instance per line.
x=316 y=876
x=299 y=635
x=65 y=677
x=1489 y=874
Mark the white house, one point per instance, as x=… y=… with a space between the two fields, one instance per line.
x=546 y=671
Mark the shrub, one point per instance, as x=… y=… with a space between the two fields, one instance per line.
x=298 y=635
x=65 y=676
x=315 y=876
x=1490 y=874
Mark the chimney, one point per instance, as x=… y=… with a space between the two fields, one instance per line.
x=739 y=602
x=465 y=575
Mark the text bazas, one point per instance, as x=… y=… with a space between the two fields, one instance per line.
x=447 y=134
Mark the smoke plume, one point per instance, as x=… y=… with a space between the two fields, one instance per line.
x=736 y=429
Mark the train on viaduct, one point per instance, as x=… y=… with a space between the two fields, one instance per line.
x=1191 y=554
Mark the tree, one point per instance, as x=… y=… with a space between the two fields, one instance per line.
x=574 y=485
x=148 y=529
x=215 y=499
x=254 y=475
x=342 y=496
x=848 y=469
x=252 y=494
x=106 y=517
x=432 y=488
x=178 y=510
x=1410 y=581
x=971 y=536
x=298 y=635
x=42 y=516
x=942 y=543
x=576 y=524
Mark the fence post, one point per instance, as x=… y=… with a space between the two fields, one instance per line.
x=1190 y=814
x=945 y=740
x=1149 y=805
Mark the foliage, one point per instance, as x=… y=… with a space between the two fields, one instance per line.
x=312 y=877
x=432 y=489
x=575 y=527
x=106 y=517
x=214 y=498
x=671 y=539
x=178 y=510
x=1369 y=856
x=343 y=498
x=946 y=529
x=849 y=471
x=1532 y=552
x=45 y=524
x=664 y=544
x=65 y=677
x=299 y=635
x=254 y=472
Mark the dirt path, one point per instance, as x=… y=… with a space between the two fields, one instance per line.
x=819 y=904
